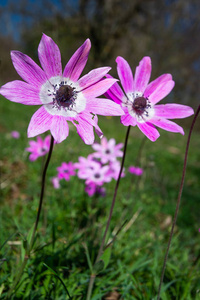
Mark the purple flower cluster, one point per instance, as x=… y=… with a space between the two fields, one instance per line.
x=98 y=168
x=101 y=166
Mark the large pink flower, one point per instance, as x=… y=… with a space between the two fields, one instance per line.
x=63 y=96
x=140 y=99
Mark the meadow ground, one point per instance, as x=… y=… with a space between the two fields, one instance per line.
x=71 y=221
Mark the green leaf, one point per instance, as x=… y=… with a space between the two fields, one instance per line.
x=106 y=257
x=98 y=267
x=50 y=269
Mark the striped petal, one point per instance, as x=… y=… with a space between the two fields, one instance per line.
x=28 y=69
x=149 y=130
x=93 y=77
x=115 y=93
x=167 y=125
x=77 y=62
x=59 y=128
x=21 y=92
x=161 y=91
x=40 y=122
x=85 y=130
x=49 y=56
x=98 y=88
x=142 y=74
x=173 y=111
x=152 y=86
x=125 y=74
x=105 y=107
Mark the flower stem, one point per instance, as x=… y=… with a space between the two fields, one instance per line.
x=178 y=203
x=92 y=277
x=30 y=246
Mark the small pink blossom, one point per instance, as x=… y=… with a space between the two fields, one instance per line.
x=64 y=96
x=107 y=150
x=39 y=147
x=94 y=172
x=84 y=164
x=135 y=170
x=15 y=134
x=139 y=99
x=114 y=169
x=91 y=189
x=56 y=182
x=66 y=170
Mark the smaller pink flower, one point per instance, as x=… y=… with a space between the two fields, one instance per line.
x=15 y=134
x=84 y=165
x=92 y=189
x=108 y=150
x=114 y=169
x=135 y=170
x=66 y=170
x=56 y=182
x=95 y=173
x=39 y=147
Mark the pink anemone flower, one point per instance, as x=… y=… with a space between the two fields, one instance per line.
x=15 y=134
x=62 y=95
x=135 y=170
x=39 y=147
x=66 y=170
x=56 y=182
x=107 y=151
x=140 y=99
x=95 y=173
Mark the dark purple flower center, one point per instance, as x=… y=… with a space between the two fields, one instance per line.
x=97 y=175
x=64 y=95
x=107 y=151
x=139 y=105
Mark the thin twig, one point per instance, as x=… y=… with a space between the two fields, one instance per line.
x=30 y=246
x=92 y=277
x=178 y=203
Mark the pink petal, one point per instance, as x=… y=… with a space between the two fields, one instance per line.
x=28 y=69
x=98 y=88
x=173 y=111
x=167 y=125
x=125 y=74
x=161 y=91
x=77 y=62
x=127 y=120
x=104 y=107
x=152 y=86
x=149 y=130
x=115 y=93
x=40 y=122
x=21 y=92
x=93 y=77
x=142 y=74
x=49 y=56
x=96 y=126
x=85 y=130
x=59 y=128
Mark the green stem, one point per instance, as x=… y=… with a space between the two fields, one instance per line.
x=30 y=246
x=93 y=276
x=177 y=204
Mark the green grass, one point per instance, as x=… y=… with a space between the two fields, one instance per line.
x=70 y=219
